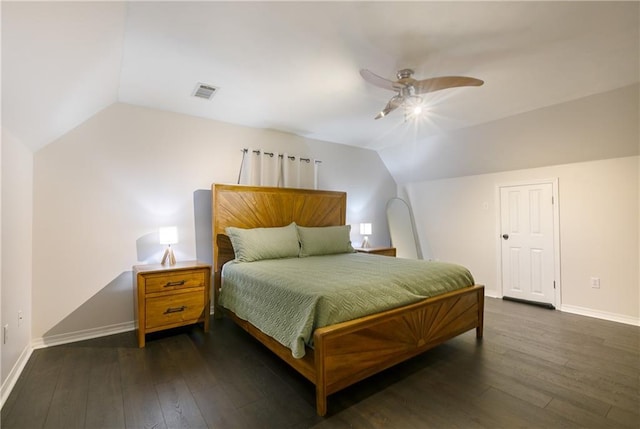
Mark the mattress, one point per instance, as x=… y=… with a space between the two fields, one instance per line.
x=288 y=299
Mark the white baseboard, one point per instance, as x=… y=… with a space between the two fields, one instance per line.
x=613 y=317
x=86 y=334
x=492 y=293
x=598 y=314
x=10 y=382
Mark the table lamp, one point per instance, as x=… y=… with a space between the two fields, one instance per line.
x=365 y=230
x=168 y=235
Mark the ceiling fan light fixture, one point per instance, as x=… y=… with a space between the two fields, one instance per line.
x=413 y=106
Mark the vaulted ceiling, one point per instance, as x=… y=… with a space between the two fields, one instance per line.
x=294 y=66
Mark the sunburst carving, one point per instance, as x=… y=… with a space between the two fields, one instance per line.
x=404 y=335
x=251 y=207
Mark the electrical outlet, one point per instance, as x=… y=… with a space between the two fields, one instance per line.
x=20 y=317
x=595 y=282
x=5 y=334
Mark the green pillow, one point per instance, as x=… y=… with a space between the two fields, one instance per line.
x=264 y=243
x=324 y=240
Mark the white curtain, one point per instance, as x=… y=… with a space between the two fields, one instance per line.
x=259 y=168
x=263 y=168
x=269 y=169
x=290 y=171
x=307 y=174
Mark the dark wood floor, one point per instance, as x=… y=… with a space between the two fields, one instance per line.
x=535 y=368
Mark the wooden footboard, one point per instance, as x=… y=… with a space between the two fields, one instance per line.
x=348 y=352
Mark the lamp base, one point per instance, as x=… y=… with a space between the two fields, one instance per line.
x=365 y=243
x=168 y=256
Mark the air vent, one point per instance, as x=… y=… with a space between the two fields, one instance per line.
x=204 y=91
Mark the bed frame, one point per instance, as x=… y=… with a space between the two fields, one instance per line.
x=347 y=352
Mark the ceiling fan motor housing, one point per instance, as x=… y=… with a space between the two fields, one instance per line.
x=404 y=73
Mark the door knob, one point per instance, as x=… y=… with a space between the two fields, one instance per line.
x=505 y=236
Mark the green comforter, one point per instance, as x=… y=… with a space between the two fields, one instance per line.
x=289 y=298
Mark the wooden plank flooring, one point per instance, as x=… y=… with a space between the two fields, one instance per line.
x=535 y=368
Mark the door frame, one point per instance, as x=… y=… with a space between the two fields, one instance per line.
x=556 y=233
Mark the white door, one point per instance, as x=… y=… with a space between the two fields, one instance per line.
x=527 y=230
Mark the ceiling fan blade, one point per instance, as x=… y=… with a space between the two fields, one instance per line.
x=392 y=105
x=444 y=82
x=376 y=80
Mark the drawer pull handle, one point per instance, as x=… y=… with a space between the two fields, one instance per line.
x=170 y=284
x=175 y=309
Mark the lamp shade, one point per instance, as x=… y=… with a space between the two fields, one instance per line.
x=168 y=235
x=365 y=229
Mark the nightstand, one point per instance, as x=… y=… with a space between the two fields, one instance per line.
x=385 y=251
x=168 y=296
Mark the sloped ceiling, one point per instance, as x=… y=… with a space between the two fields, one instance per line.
x=61 y=65
x=293 y=66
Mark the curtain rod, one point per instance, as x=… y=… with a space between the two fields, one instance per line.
x=271 y=154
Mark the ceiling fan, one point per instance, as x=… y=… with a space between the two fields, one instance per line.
x=408 y=88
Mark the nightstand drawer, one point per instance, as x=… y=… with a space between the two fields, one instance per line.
x=163 y=282
x=178 y=309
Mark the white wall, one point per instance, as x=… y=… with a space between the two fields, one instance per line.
x=17 y=190
x=599 y=227
x=102 y=190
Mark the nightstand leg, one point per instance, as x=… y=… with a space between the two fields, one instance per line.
x=140 y=338
x=207 y=317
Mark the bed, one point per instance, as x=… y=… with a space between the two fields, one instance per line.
x=343 y=353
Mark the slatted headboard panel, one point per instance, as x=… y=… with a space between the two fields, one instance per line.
x=254 y=207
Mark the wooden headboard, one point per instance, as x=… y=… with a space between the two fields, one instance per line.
x=255 y=206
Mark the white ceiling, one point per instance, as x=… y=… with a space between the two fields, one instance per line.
x=293 y=66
